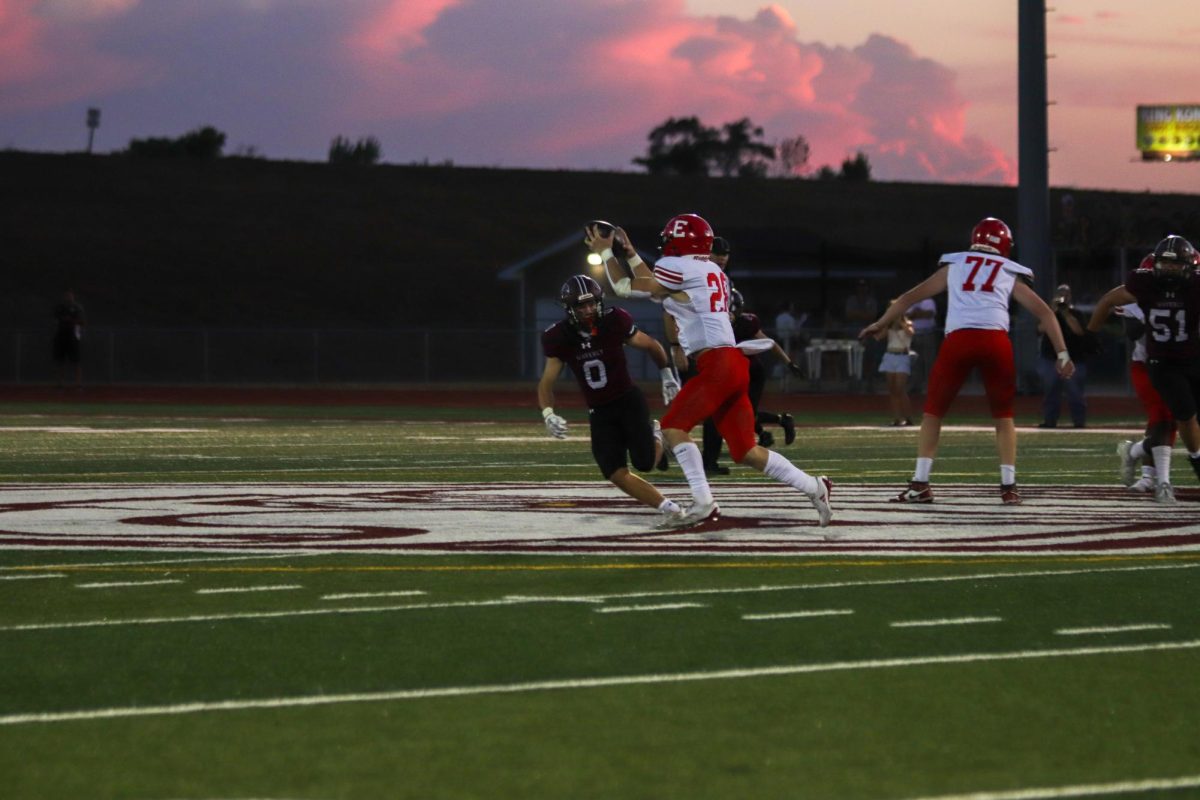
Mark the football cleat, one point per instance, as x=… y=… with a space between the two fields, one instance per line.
x=1128 y=463
x=917 y=492
x=1009 y=495
x=671 y=520
x=766 y=439
x=1164 y=493
x=1143 y=484
x=789 y=428
x=700 y=513
x=820 y=501
x=715 y=469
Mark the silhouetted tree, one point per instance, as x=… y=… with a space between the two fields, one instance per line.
x=856 y=169
x=792 y=156
x=365 y=151
x=682 y=146
x=741 y=151
x=203 y=143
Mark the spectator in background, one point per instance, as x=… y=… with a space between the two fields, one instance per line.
x=861 y=310
x=786 y=329
x=897 y=365
x=68 y=338
x=924 y=342
x=1080 y=345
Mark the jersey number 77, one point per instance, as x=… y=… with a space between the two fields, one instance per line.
x=976 y=263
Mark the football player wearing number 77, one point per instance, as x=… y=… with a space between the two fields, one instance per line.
x=979 y=283
x=695 y=292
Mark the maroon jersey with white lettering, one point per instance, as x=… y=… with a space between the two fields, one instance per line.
x=1172 y=314
x=597 y=359
x=746 y=326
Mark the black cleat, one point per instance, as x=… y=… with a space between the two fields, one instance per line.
x=715 y=469
x=789 y=428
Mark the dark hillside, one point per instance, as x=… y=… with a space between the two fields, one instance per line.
x=240 y=242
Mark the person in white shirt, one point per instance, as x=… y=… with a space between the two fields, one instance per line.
x=925 y=342
x=979 y=283
x=696 y=293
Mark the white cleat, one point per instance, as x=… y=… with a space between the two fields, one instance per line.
x=670 y=520
x=1127 y=462
x=700 y=513
x=1143 y=484
x=820 y=501
x=1164 y=493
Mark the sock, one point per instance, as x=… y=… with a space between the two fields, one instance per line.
x=688 y=457
x=1194 y=460
x=668 y=506
x=924 y=467
x=1162 y=463
x=785 y=471
x=1008 y=474
x=1149 y=472
x=1138 y=450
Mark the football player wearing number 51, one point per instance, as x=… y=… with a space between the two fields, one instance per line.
x=696 y=293
x=978 y=283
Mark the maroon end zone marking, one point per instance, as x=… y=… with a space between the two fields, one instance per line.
x=513 y=517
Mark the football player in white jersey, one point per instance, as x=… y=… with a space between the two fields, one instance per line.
x=979 y=283
x=695 y=292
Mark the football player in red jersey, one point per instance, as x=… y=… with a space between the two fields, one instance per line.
x=1168 y=293
x=696 y=293
x=591 y=341
x=978 y=282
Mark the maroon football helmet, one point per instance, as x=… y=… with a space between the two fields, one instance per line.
x=687 y=234
x=992 y=235
x=1174 y=259
x=580 y=291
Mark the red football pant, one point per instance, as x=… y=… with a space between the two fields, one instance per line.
x=1152 y=402
x=964 y=350
x=719 y=390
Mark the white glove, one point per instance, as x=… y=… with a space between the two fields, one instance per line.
x=670 y=385
x=556 y=426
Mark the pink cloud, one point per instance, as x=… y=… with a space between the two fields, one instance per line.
x=495 y=82
x=1069 y=19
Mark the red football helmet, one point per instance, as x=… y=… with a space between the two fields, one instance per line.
x=685 y=235
x=993 y=236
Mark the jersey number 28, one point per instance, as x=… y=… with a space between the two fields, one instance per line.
x=719 y=299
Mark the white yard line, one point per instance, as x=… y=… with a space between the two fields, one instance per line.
x=115 y=584
x=930 y=623
x=660 y=607
x=1083 y=790
x=854 y=584
x=358 y=595
x=242 y=589
x=33 y=577
x=1150 y=626
x=831 y=612
x=578 y=683
x=310 y=612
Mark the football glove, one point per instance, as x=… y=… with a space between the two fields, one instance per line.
x=670 y=385
x=556 y=426
x=795 y=368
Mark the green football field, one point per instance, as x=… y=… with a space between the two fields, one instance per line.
x=325 y=603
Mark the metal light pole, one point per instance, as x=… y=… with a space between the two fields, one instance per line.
x=1033 y=188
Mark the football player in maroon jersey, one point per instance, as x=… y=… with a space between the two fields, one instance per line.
x=591 y=341
x=1168 y=293
x=747 y=325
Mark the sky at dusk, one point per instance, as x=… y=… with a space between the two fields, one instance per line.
x=926 y=89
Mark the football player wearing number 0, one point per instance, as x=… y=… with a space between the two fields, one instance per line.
x=591 y=341
x=695 y=292
x=1168 y=293
x=978 y=283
